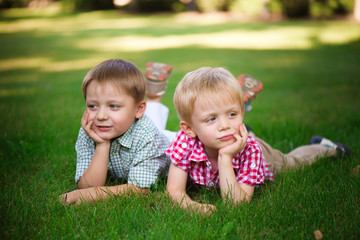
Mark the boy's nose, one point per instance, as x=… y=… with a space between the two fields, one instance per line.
x=102 y=114
x=223 y=124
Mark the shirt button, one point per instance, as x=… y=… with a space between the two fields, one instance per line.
x=253 y=165
x=184 y=145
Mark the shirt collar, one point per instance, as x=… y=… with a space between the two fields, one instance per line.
x=126 y=139
x=198 y=148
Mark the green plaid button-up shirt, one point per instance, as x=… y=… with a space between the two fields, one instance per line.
x=138 y=155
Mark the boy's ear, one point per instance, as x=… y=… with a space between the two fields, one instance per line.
x=140 y=109
x=187 y=129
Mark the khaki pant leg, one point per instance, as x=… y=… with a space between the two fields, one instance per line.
x=302 y=155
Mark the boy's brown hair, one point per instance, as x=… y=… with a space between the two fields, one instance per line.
x=122 y=73
x=207 y=85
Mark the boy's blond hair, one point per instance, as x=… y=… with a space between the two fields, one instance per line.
x=207 y=85
x=122 y=73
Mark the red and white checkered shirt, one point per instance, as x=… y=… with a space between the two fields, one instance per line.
x=189 y=155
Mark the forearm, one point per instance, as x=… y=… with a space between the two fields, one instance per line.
x=118 y=190
x=181 y=198
x=230 y=188
x=98 y=193
x=186 y=203
x=176 y=189
x=96 y=173
x=125 y=188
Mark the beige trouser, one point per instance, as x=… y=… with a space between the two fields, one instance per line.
x=303 y=155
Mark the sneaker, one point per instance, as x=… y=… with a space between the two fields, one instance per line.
x=250 y=88
x=157 y=75
x=341 y=149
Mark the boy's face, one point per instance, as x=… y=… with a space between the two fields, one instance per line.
x=215 y=124
x=111 y=109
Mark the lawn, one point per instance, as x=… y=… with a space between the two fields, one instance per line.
x=310 y=71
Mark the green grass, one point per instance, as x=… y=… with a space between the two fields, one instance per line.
x=310 y=72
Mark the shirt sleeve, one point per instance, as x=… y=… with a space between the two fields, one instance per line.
x=252 y=166
x=85 y=148
x=149 y=162
x=178 y=151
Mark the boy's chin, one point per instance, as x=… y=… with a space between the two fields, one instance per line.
x=107 y=137
x=226 y=143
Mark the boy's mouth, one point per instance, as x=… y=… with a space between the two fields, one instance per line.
x=226 y=137
x=104 y=128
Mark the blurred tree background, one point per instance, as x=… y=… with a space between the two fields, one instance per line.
x=262 y=8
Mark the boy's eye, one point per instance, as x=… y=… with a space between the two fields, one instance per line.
x=91 y=106
x=210 y=119
x=114 y=106
x=232 y=114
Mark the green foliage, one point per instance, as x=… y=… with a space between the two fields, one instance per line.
x=86 y=5
x=214 y=5
x=295 y=8
x=253 y=7
x=133 y=6
x=310 y=74
x=315 y=8
x=329 y=8
x=13 y=3
x=156 y=5
x=290 y=8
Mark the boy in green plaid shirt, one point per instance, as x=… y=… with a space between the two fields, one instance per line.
x=116 y=138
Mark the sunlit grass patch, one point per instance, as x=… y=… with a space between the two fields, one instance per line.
x=276 y=37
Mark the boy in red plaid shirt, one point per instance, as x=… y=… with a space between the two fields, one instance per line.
x=212 y=147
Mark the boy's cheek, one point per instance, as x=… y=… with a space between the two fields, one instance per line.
x=238 y=129
x=91 y=117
